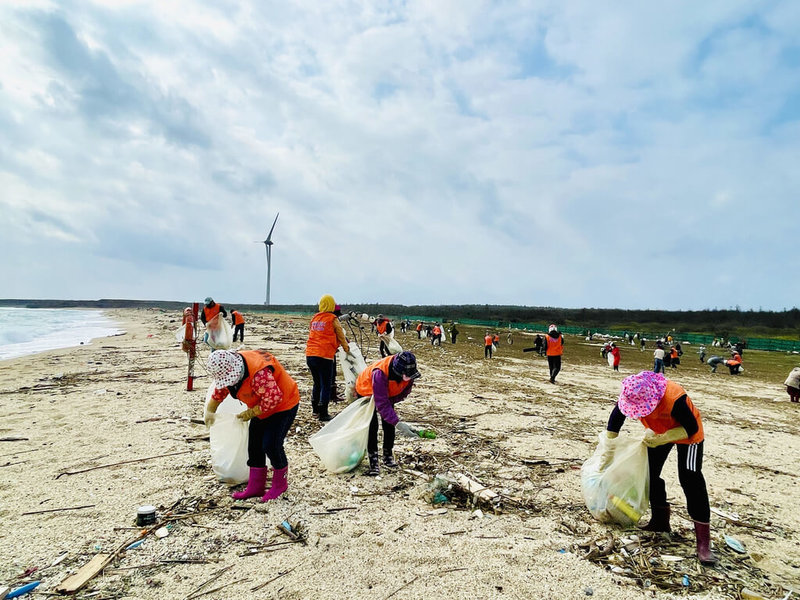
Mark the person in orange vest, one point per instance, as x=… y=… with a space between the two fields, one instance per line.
x=615 y=354
x=674 y=358
x=734 y=363
x=670 y=419
x=553 y=348
x=487 y=345
x=388 y=381
x=211 y=309
x=496 y=340
x=436 y=338
x=237 y=320
x=383 y=327
x=325 y=335
x=419 y=330
x=257 y=378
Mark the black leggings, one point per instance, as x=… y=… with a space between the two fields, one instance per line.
x=238 y=329
x=690 y=475
x=266 y=439
x=554 y=362
x=388 y=435
x=487 y=352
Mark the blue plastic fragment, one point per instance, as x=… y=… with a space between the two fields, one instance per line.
x=22 y=590
x=287 y=526
x=685 y=581
x=135 y=545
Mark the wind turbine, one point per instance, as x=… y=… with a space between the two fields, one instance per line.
x=268 y=247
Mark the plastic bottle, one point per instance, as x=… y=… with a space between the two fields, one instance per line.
x=429 y=434
x=626 y=508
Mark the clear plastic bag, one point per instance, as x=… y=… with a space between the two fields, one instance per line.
x=351 y=365
x=392 y=345
x=342 y=443
x=228 y=437
x=219 y=334
x=619 y=493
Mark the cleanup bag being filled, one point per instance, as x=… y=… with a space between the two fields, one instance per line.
x=228 y=437
x=392 y=345
x=218 y=333
x=342 y=443
x=620 y=492
x=352 y=365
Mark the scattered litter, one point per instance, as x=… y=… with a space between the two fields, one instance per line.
x=589 y=591
x=735 y=544
x=135 y=545
x=162 y=532
x=478 y=514
x=685 y=581
x=23 y=590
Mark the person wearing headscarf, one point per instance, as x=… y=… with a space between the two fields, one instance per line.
x=325 y=335
x=792 y=384
x=211 y=309
x=256 y=378
x=670 y=419
x=615 y=354
x=388 y=381
x=554 y=349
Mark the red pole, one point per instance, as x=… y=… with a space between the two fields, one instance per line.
x=192 y=347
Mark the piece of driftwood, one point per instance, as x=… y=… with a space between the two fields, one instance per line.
x=52 y=510
x=478 y=490
x=124 y=462
x=13 y=439
x=278 y=576
x=75 y=582
x=216 y=589
x=213 y=577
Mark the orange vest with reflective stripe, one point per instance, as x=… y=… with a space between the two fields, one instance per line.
x=210 y=313
x=238 y=319
x=487 y=340
x=322 y=340
x=381 y=327
x=555 y=347
x=257 y=360
x=364 y=381
x=661 y=420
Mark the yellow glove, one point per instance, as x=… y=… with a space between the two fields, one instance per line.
x=210 y=415
x=249 y=413
x=652 y=439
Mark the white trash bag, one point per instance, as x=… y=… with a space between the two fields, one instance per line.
x=219 y=334
x=610 y=359
x=351 y=365
x=228 y=438
x=392 y=345
x=342 y=443
x=620 y=493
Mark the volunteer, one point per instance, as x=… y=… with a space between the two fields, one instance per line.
x=615 y=354
x=487 y=345
x=734 y=363
x=792 y=384
x=383 y=327
x=670 y=419
x=419 y=330
x=553 y=348
x=257 y=378
x=658 y=358
x=437 y=335
x=453 y=333
x=237 y=320
x=325 y=335
x=674 y=357
x=388 y=381
x=211 y=309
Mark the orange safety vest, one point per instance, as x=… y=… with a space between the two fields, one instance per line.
x=555 y=347
x=210 y=313
x=364 y=381
x=496 y=339
x=736 y=360
x=322 y=340
x=673 y=353
x=660 y=420
x=238 y=319
x=437 y=330
x=487 y=340
x=256 y=360
x=419 y=326
x=381 y=326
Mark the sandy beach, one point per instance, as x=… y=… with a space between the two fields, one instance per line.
x=68 y=414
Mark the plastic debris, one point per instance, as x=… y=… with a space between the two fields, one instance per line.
x=162 y=532
x=135 y=545
x=735 y=545
x=23 y=590
x=685 y=581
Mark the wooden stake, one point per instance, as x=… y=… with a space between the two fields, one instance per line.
x=124 y=462
x=51 y=510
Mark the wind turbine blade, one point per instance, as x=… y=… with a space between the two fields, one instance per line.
x=269 y=235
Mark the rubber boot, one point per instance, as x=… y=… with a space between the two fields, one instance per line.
x=659 y=521
x=279 y=484
x=389 y=461
x=374 y=466
x=255 y=484
x=703 y=533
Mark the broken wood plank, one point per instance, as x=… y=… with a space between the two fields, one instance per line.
x=478 y=490
x=75 y=582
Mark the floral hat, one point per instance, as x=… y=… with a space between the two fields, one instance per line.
x=641 y=393
x=226 y=366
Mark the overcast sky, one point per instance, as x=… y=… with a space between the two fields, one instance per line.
x=564 y=153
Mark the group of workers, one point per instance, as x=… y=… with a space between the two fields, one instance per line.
x=272 y=398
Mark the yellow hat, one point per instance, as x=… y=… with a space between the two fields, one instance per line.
x=327 y=303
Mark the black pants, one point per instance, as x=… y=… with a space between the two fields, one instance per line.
x=453 y=337
x=240 y=330
x=321 y=372
x=690 y=474
x=487 y=351
x=554 y=362
x=266 y=439
x=388 y=435
x=384 y=350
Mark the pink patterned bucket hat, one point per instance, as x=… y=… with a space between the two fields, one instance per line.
x=226 y=367
x=641 y=393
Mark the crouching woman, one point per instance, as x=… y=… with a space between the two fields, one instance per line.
x=257 y=378
x=671 y=419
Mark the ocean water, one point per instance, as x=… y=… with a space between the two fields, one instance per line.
x=30 y=330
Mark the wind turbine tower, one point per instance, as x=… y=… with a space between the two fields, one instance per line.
x=268 y=247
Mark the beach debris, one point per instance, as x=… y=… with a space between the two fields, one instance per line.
x=295 y=531
x=735 y=545
x=278 y=576
x=748 y=594
x=52 y=510
x=20 y=591
x=75 y=582
x=124 y=462
x=13 y=439
x=145 y=515
x=161 y=532
x=135 y=545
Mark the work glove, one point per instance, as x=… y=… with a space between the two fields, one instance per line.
x=249 y=413
x=406 y=430
x=211 y=413
x=608 y=452
x=652 y=439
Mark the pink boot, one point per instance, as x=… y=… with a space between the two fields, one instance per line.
x=255 y=484
x=279 y=484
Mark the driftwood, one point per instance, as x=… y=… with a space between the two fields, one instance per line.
x=124 y=462
x=13 y=439
x=213 y=577
x=52 y=510
x=278 y=576
x=479 y=491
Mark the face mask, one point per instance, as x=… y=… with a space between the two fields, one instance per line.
x=406 y=378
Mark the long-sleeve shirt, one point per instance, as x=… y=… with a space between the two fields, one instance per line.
x=337 y=327
x=380 y=393
x=680 y=412
x=264 y=387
